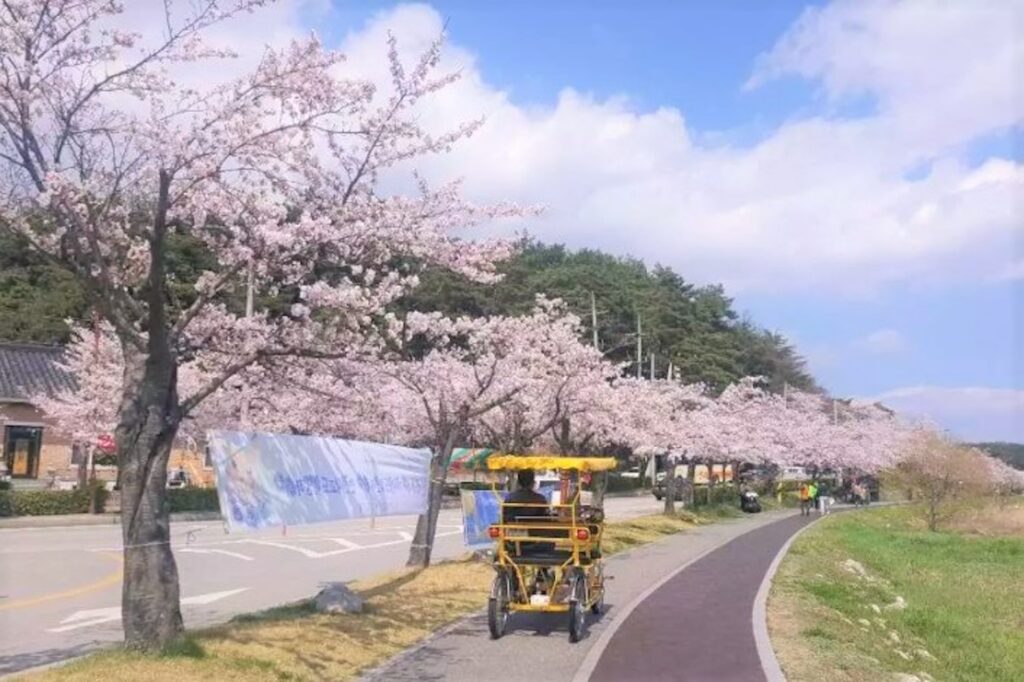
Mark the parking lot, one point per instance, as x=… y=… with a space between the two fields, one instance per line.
x=60 y=587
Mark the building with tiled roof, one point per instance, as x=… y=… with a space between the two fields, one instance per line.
x=28 y=369
x=32 y=445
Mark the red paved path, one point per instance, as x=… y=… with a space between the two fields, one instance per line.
x=698 y=626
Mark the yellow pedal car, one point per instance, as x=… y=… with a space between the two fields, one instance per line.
x=548 y=556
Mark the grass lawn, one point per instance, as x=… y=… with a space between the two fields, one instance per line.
x=872 y=595
x=296 y=643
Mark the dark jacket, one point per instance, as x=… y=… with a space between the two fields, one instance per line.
x=524 y=496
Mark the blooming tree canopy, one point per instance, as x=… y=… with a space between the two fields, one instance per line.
x=275 y=174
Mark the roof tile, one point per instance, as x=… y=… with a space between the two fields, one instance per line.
x=27 y=369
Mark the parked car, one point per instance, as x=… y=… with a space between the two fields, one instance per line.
x=632 y=472
x=659 y=487
x=178 y=478
x=794 y=474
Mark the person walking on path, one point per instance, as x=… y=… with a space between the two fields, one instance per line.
x=824 y=497
x=813 y=493
x=805 y=499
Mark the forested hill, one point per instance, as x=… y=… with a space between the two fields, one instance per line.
x=694 y=328
x=1011 y=453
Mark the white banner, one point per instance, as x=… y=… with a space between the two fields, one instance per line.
x=266 y=479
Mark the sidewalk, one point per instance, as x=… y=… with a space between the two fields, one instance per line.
x=537 y=646
x=65 y=520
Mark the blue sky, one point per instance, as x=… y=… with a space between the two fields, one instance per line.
x=852 y=173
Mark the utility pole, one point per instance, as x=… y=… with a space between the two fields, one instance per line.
x=639 y=347
x=652 y=366
x=835 y=411
x=671 y=373
x=593 y=319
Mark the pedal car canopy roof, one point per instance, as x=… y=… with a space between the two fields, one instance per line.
x=516 y=462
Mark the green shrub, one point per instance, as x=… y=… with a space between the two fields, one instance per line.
x=721 y=494
x=45 y=502
x=99 y=494
x=192 y=500
x=5 y=485
x=617 y=484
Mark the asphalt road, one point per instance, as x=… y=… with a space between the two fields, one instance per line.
x=537 y=646
x=698 y=625
x=60 y=587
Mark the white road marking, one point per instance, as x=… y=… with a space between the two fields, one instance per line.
x=301 y=550
x=203 y=599
x=404 y=535
x=196 y=550
x=109 y=614
x=313 y=554
x=88 y=618
x=347 y=544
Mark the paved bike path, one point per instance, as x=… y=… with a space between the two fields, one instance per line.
x=698 y=626
x=537 y=646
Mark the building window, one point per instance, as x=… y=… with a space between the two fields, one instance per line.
x=78 y=455
x=21 y=450
x=207 y=457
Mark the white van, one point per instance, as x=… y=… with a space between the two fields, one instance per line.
x=794 y=474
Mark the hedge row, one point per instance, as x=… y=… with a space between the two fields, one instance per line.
x=618 y=483
x=50 y=502
x=192 y=500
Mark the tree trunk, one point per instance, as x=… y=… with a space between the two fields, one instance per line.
x=599 y=484
x=670 y=487
x=426 y=526
x=691 y=483
x=83 y=466
x=148 y=422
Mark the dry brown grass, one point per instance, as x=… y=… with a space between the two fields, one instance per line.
x=805 y=650
x=294 y=642
x=992 y=521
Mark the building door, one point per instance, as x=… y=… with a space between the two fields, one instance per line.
x=21 y=450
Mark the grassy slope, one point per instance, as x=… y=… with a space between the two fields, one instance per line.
x=964 y=591
x=296 y=643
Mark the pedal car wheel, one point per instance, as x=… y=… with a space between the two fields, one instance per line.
x=497 y=606
x=577 y=610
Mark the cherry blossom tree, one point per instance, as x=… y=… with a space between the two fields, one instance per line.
x=89 y=409
x=476 y=368
x=567 y=386
x=276 y=173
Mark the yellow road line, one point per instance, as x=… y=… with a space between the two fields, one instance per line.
x=106 y=581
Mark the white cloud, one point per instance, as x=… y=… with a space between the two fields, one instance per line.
x=883 y=342
x=971 y=413
x=820 y=203
x=941 y=72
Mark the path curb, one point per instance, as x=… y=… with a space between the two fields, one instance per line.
x=759 y=617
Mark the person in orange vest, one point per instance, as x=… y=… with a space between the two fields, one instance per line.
x=805 y=499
